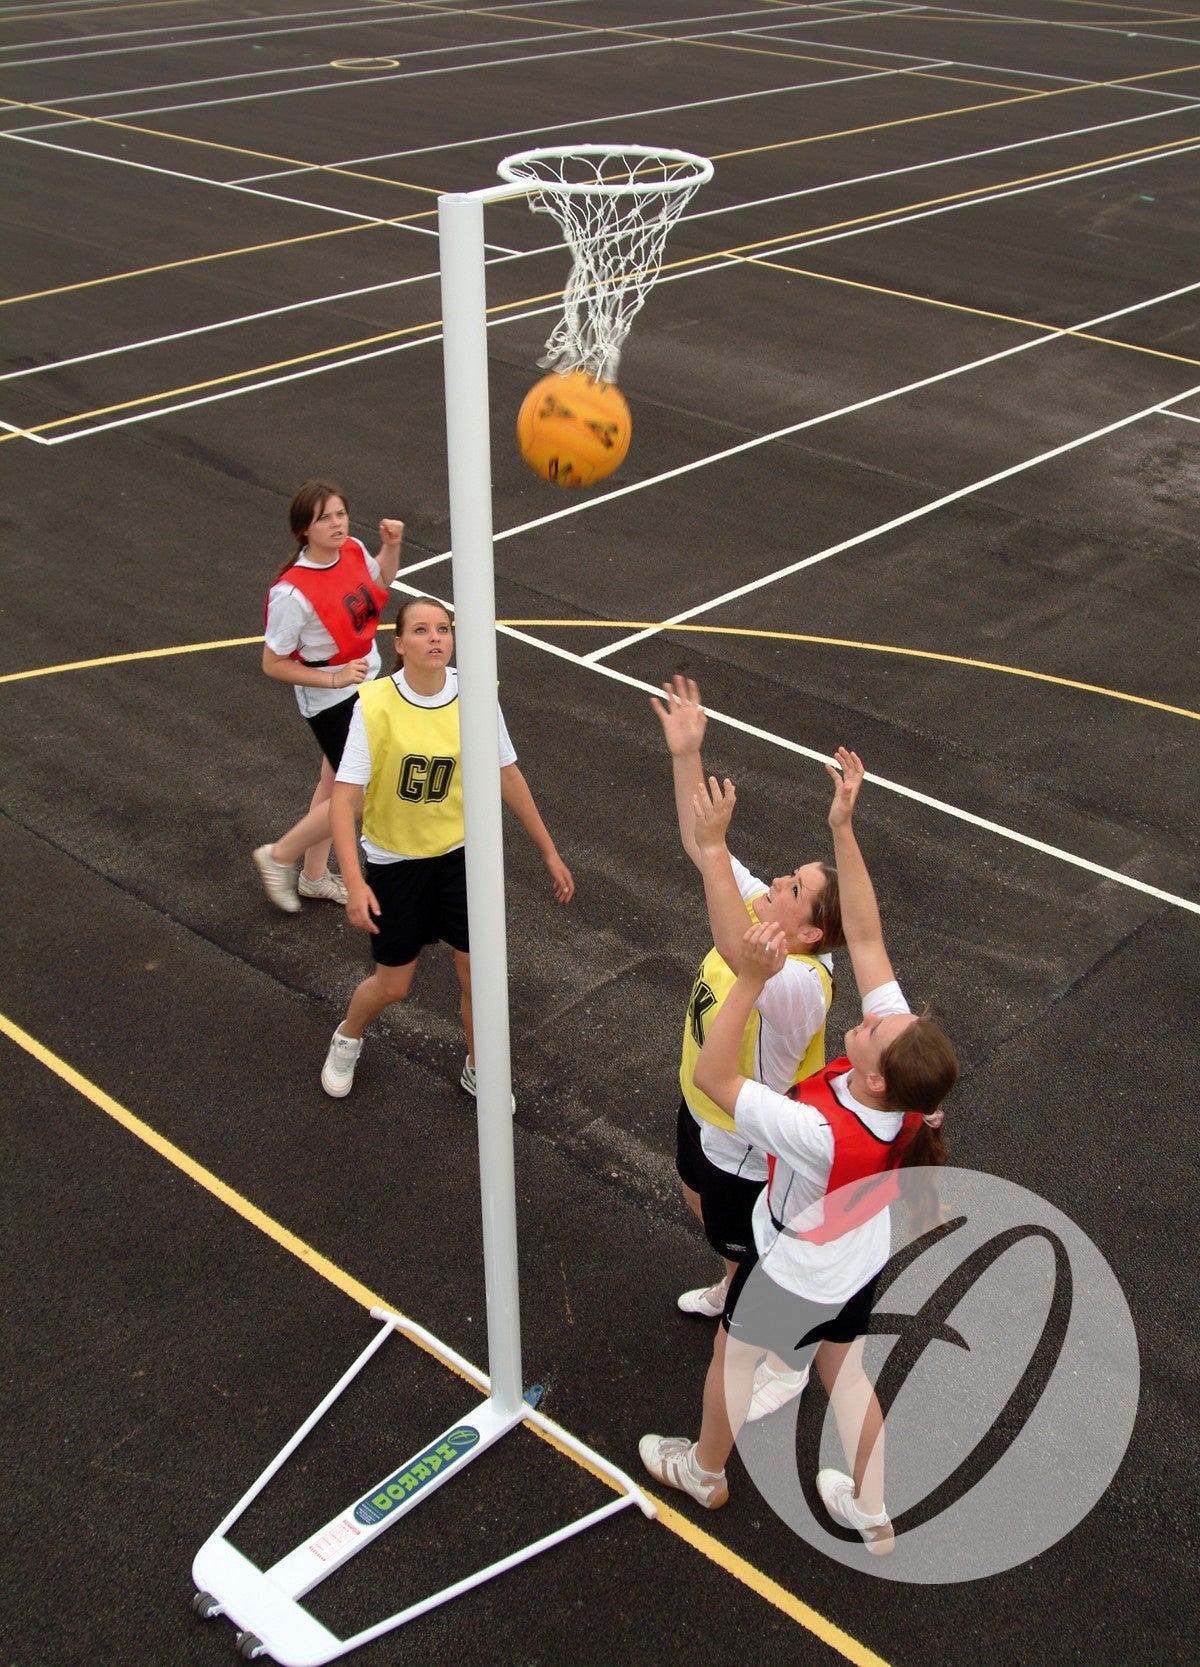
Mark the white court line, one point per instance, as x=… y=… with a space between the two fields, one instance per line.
x=1113 y=30
x=946 y=161
x=1017 y=71
x=1183 y=416
x=942 y=806
x=815 y=422
x=917 y=514
x=315 y=22
x=985 y=197
x=578 y=50
x=399 y=224
x=340 y=85
x=353 y=17
x=545 y=57
x=527 y=133
x=167 y=38
x=257 y=387
x=220 y=324
x=722 y=264
x=507 y=254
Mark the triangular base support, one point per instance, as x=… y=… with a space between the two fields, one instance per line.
x=265 y=1604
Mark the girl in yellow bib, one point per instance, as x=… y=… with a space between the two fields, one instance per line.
x=401 y=773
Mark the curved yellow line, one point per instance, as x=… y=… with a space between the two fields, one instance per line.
x=761 y=1584
x=866 y=647
x=655 y=625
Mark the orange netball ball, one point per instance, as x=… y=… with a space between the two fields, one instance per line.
x=573 y=430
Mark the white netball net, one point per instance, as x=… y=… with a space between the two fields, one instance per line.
x=615 y=205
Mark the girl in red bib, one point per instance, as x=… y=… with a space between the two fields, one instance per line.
x=837 y=1141
x=321 y=615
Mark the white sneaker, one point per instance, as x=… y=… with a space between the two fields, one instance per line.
x=467 y=1081
x=773 y=1390
x=279 y=880
x=337 y=1076
x=672 y=1459
x=708 y=1301
x=837 y=1495
x=331 y=887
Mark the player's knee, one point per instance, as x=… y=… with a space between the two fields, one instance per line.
x=395 y=982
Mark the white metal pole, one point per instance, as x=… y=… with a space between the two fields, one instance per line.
x=464 y=324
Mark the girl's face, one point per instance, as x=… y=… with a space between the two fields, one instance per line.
x=328 y=529
x=426 y=638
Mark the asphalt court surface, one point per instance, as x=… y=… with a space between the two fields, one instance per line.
x=915 y=468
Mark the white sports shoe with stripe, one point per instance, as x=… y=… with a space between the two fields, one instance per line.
x=672 y=1459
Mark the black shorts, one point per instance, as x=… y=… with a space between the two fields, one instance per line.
x=726 y=1201
x=759 y=1312
x=332 y=726
x=421 y=900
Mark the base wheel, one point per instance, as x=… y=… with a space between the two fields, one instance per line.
x=249 y=1647
x=206 y=1606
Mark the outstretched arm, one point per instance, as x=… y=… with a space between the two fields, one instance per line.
x=712 y=808
x=860 y=911
x=684 y=722
x=515 y=792
x=763 y=952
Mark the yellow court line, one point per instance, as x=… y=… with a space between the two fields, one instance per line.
x=761 y=1584
x=36 y=15
x=679 y=629
x=811 y=139
x=974 y=312
x=217 y=144
x=738 y=252
x=220 y=254
x=983 y=192
x=434 y=324
x=938 y=115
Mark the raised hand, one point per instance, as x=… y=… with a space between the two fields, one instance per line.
x=681 y=715
x=847 y=776
x=713 y=805
x=764 y=950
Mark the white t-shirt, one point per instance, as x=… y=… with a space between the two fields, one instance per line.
x=294 y=624
x=356 y=756
x=792 y=1011
x=803 y=1144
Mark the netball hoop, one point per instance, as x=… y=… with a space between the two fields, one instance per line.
x=615 y=205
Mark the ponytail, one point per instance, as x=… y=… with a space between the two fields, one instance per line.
x=919 y=1070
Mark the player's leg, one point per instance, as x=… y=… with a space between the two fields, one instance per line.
x=462 y=967
x=855 y=1501
x=316 y=857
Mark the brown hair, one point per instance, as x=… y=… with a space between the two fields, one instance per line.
x=308 y=501
x=402 y=614
x=919 y=1070
x=827 y=912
